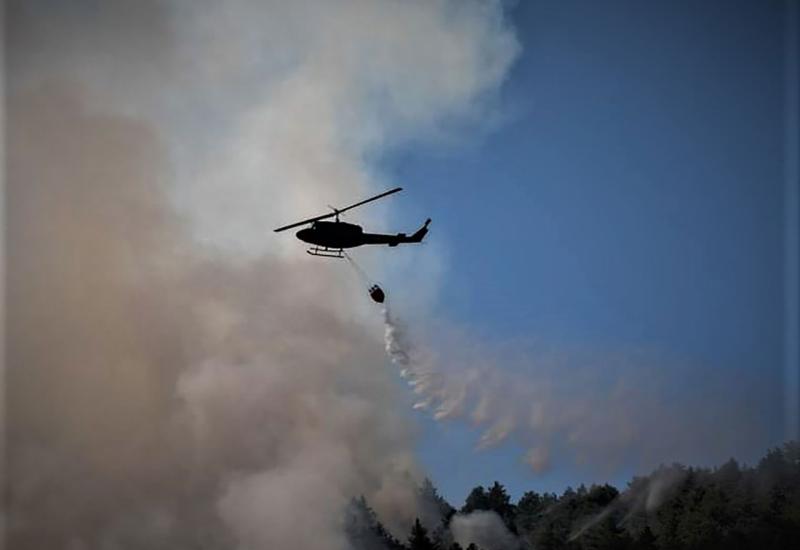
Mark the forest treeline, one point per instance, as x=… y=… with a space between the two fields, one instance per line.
x=675 y=507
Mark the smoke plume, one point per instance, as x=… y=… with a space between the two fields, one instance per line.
x=483 y=528
x=178 y=376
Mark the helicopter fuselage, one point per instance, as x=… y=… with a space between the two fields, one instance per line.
x=340 y=235
x=332 y=234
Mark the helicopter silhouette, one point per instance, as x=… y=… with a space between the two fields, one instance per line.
x=329 y=239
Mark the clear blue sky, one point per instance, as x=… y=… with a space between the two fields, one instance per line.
x=632 y=197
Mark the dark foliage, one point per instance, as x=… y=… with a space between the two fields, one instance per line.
x=419 y=539
x=496 y=499
x=673 y=508
x=438 y=507
x=364 y=531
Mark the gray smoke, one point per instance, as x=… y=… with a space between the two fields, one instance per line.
x=161 y=397
x=177 y=375
x=483 y=528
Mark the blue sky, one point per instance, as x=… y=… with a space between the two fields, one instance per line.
x=632 y=197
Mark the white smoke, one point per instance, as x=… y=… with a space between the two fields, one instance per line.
x=314 y=92
x=483 y=528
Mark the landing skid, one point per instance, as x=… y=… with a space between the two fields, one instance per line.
x=326 y=252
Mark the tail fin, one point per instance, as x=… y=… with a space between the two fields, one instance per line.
x=420 y=234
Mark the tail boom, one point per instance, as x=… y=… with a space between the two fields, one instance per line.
x=400 y=238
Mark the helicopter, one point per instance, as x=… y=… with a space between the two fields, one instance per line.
x=329 y=239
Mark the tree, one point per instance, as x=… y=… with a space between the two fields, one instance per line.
x=429 y=494
x=602 y=495
x=546 y=537
x=729 y=474
x=531 y=510
x=363 y=529
x=499 y=502
x=476 y=500
x=732 y=507
x=646 y=540
x=435 y=511
x=605 y=535
x=419 y=540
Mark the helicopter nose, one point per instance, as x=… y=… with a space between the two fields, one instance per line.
x=304 y=234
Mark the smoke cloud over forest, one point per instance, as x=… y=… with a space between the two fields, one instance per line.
x=176 y=376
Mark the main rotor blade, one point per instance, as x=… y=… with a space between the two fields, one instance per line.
x=309 y=220
x=376 y=197
x=337 y=212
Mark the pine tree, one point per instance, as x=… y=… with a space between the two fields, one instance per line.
x=676 y=508
x=499 y=502
x=428 y=493
x=363 y=529
x=419 y=539
x=476 y=500
x=647 y=540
